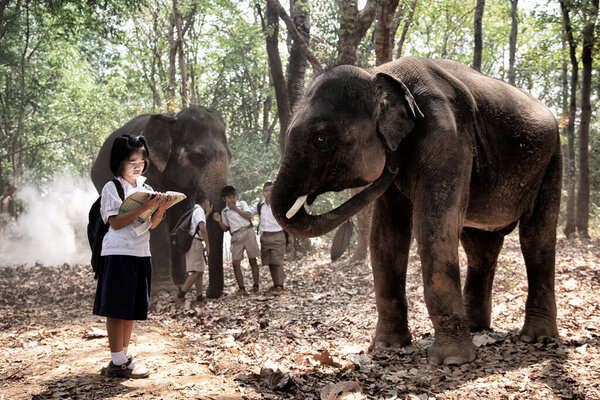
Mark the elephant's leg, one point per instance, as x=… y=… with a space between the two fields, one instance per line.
x=178 y=267
x=482 y=250
x=215 y=259
x=439 y=207
x=537 y=232
x=390 y=243
x=160 y=248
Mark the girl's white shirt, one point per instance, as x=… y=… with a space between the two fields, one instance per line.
x=122 y=241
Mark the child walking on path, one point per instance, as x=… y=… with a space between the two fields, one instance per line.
x=123 y=290
x=194 y=258
x=236 y=217
x=273 y=240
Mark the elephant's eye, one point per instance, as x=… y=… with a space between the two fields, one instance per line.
x=322 y=140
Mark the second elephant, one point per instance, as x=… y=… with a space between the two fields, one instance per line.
x=188 y=153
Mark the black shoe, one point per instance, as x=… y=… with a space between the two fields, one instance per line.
x=123 y=371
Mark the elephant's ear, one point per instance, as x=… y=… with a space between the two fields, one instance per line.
x=396 y=109
x=158 y=135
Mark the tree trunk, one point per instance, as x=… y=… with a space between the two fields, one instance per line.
x=353 y=26
x=172 y=64
x=407 y=23
x=570 y=175
x=512 y=43
x=296 y=70
x=583 y=192
x=281 y=93
x=181 y=52
x=384 y=38
x=477 y=28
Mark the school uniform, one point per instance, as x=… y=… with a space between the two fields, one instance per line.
x=123 y=289
x=194 y=258
x=242 y=234
x=272 y=237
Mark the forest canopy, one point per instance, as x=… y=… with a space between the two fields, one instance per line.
x=71 y=72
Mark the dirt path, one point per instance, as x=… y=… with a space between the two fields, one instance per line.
x=316 y=334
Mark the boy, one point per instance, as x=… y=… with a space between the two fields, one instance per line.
x=272 y=240
x=194 y=258
x=236 y=217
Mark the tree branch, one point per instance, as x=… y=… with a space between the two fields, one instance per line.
x=316 y=65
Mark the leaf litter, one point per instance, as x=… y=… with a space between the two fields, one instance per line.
x=312 y=342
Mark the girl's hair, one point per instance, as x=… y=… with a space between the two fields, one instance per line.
x=122 y=148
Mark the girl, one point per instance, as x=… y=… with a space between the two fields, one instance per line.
x=123 y=291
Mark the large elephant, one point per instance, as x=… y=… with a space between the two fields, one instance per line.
x=450 y=154
x=188 y=153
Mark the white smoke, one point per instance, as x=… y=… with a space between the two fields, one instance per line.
x=52 y=230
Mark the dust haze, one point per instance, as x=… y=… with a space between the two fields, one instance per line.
x=52 y=229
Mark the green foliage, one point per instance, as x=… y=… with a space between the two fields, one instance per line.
x=73 y=71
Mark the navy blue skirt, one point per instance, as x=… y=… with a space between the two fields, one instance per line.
x=123 y=289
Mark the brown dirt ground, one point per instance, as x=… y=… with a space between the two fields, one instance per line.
x=316 y=334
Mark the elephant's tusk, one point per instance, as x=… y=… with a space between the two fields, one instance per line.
x=297 y=205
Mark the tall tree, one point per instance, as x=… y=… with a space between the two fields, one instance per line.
x=583 y=191
x=569 y=229
x=296 y=71
x=276 y=69
x=512 y=42
x=478 y=35
x=354 y=24
x=401 y=16
x=384 y=31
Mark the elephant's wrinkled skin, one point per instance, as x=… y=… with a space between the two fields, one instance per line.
x=188 y=153
x=474 y=157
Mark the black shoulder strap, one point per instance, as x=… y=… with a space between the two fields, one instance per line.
x=119 y=188
x=259 y=206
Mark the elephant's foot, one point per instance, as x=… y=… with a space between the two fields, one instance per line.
x=384 y=340
x=539 y=328
x=454 y=353
x=452 y=344
x=160 y=284
x=478 y=320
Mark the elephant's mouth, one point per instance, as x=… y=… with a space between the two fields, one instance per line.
x=300 y=223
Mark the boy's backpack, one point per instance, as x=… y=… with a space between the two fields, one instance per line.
x=180 y=235
x=96 y=228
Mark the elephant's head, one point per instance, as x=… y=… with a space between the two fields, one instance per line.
x=190 y=151
x=345 y=127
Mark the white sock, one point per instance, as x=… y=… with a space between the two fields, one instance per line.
x=118 y=358
x=125 y=350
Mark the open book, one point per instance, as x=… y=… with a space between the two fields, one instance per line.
x=136 y=199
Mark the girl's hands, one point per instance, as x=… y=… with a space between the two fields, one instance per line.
x=159 y=199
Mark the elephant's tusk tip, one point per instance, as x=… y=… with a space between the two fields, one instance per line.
x=297 y=205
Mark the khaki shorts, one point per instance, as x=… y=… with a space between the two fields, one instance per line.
x=244 y=239
x=194 y=258
x=272 y=248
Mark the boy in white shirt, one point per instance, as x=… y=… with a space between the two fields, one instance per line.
x=273 y=240
x=236 y=217
x=194 y=258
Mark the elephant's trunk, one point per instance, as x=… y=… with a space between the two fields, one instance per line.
x=303 y=224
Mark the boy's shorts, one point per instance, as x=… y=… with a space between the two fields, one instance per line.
x=241 y=239
x=194 y=258
x=272 y=248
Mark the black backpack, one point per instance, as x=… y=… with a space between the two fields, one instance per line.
x=96 y=228
x=180 y=235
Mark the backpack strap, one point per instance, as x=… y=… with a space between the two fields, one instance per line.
x=119 y=187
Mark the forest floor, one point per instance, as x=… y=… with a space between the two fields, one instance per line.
x=309 y=343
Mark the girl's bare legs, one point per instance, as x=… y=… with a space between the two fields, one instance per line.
x=115 y=330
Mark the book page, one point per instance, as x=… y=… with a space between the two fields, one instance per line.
x=135 y=200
